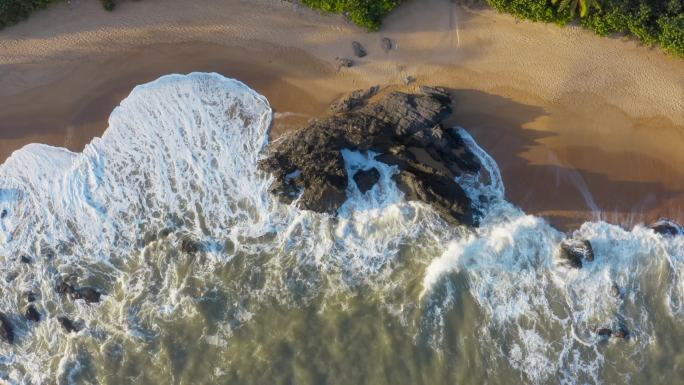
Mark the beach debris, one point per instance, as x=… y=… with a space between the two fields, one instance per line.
x=366 y=179
x=359 y=51
x=573 y=252
x=354 y=100
x=6 y=330
x=386 y=43
x=32 y=314
x=67 y=324
x=344 y=62
x=409 y=79
x=664 y=226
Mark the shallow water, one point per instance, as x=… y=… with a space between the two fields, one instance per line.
x=384 y=293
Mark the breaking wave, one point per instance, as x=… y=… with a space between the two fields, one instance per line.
x=178 y=164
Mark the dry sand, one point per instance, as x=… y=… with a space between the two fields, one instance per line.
x=575 y=121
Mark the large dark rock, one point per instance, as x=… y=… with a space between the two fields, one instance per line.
x=666 y=227
x=573 y=252
x=404 y=128
x=354 y=100
x=32 y=313
x=6 y=329
x=88 y=294
x=67 y=324
x=366 y=179
x=359 y=51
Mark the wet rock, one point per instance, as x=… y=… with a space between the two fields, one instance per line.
x=344 y=63
x=359 y=51
x=190 y=246
x=67 y=324
x=354 y=100
x=615 y=290
x=409 y=79
x=574 y=252
x=63 y=287
x=604 y=332
x=6 y=329
x=666 y=227
x=404 y=128
x=366 y=179
x=4 y=213
x=89 y=294
x=621 y=333
x=25 y=259
x=437 y=92
x=30 y=296
x=386 y=43
x=32 y=314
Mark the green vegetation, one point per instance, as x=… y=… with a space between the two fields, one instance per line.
x=651 y=21
x=366 y=13
x=13 y=11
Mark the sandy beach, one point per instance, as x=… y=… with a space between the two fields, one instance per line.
x=577 y=123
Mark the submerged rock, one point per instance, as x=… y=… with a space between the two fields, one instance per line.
x=190 y=246
x=67 y=324
x=615 y=290
x=32 y=314
x=404 y=128
x=621 y=333
x=666 y=227
x=30 y=296
x=366 y=179
x=63 y=287
x=89 y=294
x=25 y=259
x=359 y=51
x=344 y=63
x=574 y=252
x=6 y=330
x=604 y=332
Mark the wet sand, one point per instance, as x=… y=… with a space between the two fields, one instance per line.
x=576 y=122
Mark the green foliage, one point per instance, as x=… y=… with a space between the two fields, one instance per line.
x=13 y=11
x=651 y=21
x=366 y=13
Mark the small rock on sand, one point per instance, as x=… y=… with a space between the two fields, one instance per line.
x=359 y=51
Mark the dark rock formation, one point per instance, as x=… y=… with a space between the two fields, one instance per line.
x=63 y=287
x=344 y=62
x=386 y=43
x=6 y=330
x=89 y=294
x=25 y=259
x=354 y=100
x=359 y=51
x=32 y=314
x=67 y=324
x=622 y=332
x=405 y=129
x=604 y=332
x=615 y=290
x=666 y=227
x=190 y=246
x=573 y=252
x=30 y=296
x=366 y=179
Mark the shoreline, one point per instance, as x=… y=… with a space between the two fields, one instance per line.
x=570 y=117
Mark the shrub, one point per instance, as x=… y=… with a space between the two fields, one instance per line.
x=366 y=13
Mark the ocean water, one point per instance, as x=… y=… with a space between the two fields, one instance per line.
x=383 y=293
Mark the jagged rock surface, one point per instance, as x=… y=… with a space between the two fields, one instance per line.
x=405 y=129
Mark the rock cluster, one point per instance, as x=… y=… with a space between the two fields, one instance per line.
x=573 y=252
x=405 y=129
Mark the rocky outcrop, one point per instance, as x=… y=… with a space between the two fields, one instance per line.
x=359 y=51
x=6 y=329
x=405 y=129
x=666 y=227
x=354 y=100
x=573 y=252
x=366 y=179
x=67 y=324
